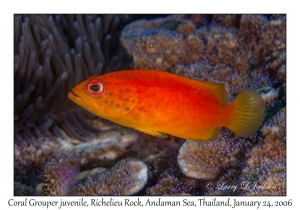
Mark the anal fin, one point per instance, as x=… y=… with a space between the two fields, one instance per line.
x=153 y=133
x=212 y=134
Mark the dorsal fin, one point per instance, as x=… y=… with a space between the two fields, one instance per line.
x=218 y=88
x=221 y=92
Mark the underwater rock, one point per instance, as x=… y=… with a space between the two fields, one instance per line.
x=127 y=177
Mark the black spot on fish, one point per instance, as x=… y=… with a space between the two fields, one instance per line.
x=126 y=99
x=110 y=94
x=117 y=105
x=106 y=101
x=132 y=101
x=127 y=109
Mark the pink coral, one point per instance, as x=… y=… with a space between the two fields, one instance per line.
x=59 y=178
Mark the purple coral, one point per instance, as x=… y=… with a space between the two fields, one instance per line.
x=59 y=178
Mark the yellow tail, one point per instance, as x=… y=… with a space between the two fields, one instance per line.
x=248 y=110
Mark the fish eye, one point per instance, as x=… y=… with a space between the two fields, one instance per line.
x=95 y=87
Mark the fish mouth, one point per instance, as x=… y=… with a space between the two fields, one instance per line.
x=75 y=98
x=74 y=94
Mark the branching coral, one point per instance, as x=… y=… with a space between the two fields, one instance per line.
x=53 y=53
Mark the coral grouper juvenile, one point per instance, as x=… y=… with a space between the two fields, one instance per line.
x=160 y=103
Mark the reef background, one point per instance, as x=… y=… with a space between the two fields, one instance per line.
x=55 y=139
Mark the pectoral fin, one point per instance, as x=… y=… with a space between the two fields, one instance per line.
x=153 y=133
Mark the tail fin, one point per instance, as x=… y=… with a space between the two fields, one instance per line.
x=248 y=112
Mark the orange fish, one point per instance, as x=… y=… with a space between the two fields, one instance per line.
x=160 y=103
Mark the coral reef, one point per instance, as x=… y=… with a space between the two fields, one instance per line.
x=23 y=189
x=239 y=50
x=266 y=165
x=218 y=52
x=164 y=165
x=103 y=151
x=167 y=178
x=206 y=159
x=174 y=186
x=262 y=170
x=127 y=177
x=53 y=53
x=83 y=175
